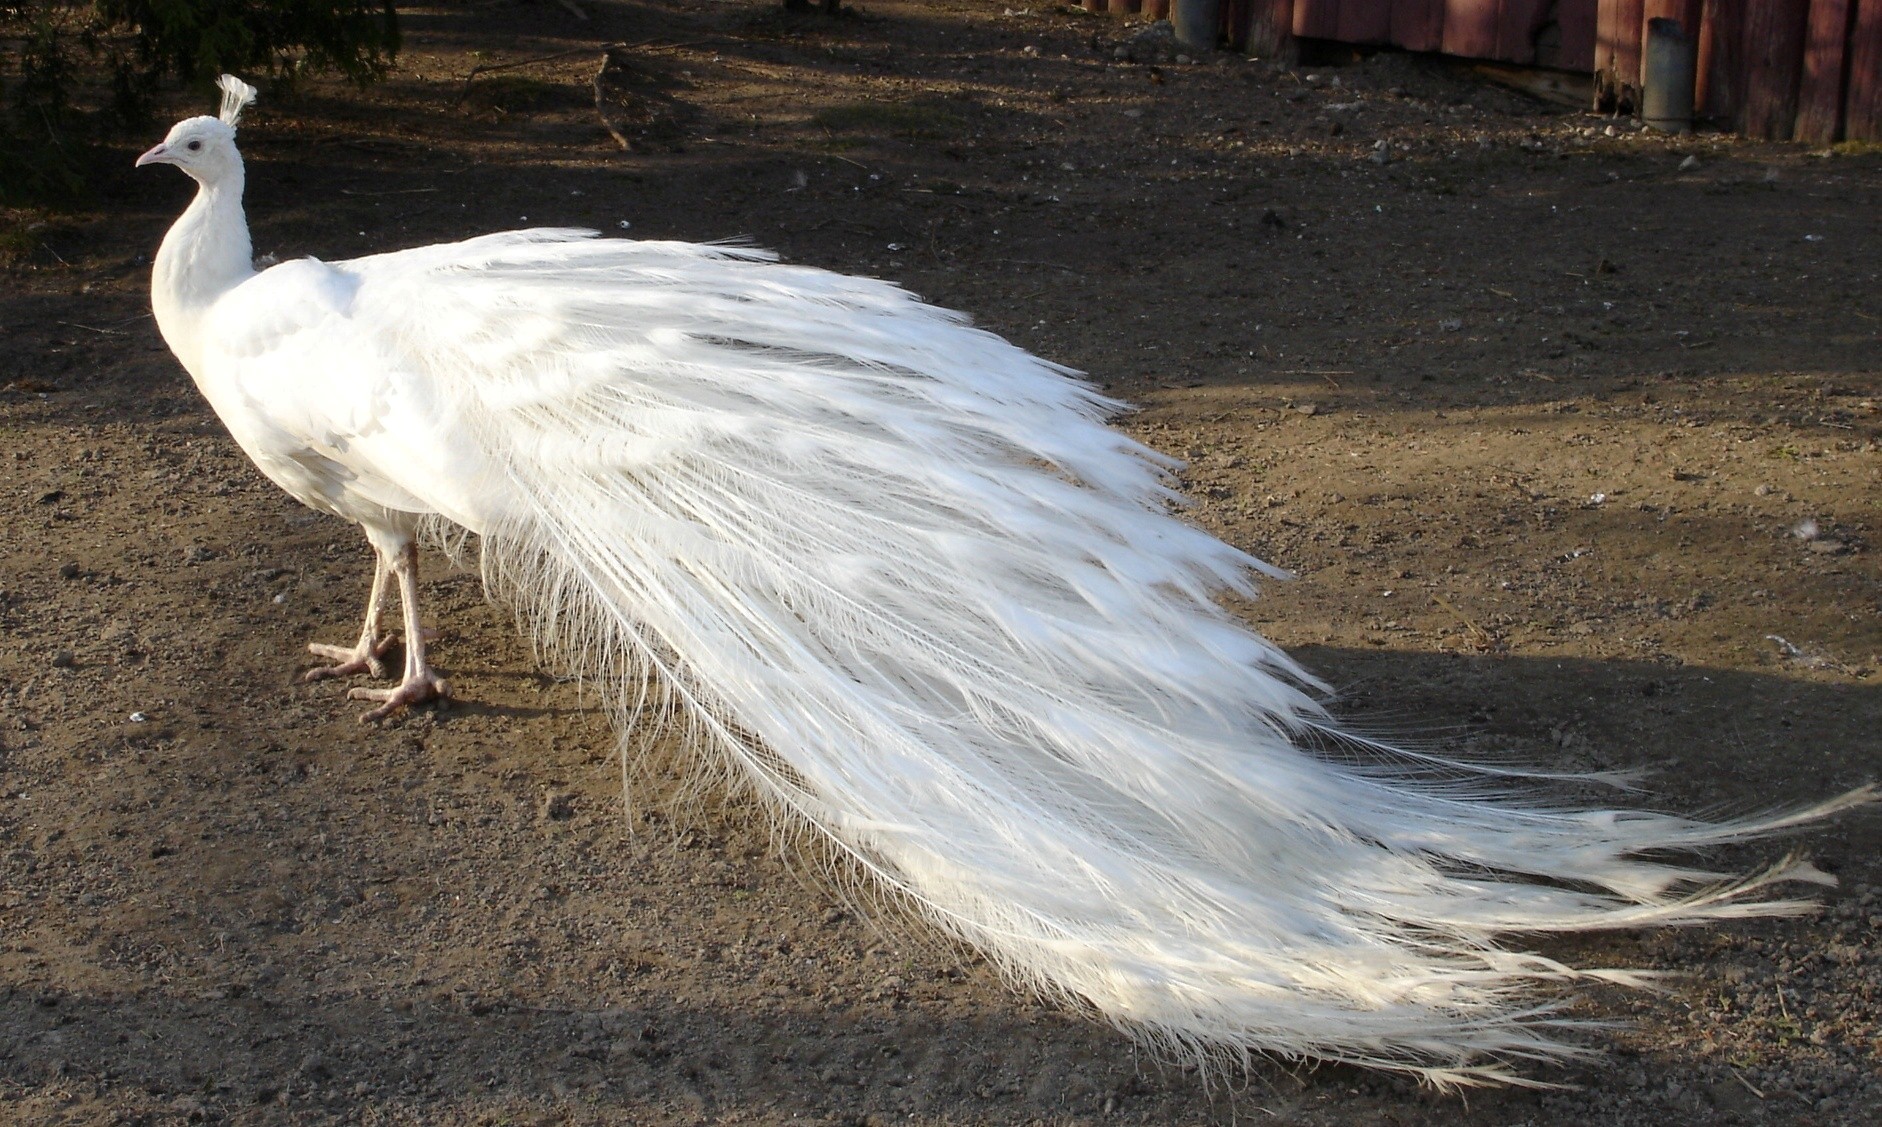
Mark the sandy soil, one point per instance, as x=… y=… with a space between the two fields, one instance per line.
x=1570 y=439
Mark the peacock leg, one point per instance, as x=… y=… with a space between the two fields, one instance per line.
x=365 y=655
x=420 y=683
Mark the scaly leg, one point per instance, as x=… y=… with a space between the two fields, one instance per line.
x=419 y=683
x=373 y=643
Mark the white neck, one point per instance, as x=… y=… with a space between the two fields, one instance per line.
x=206 y=254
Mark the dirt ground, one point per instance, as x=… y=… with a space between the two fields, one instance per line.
x=1569 y=433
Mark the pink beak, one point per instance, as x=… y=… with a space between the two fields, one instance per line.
x=157 y=155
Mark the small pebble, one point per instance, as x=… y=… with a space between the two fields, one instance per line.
x=64 y=659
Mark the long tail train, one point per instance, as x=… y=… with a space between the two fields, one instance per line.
x=899 y=574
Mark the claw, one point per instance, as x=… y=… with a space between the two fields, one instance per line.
x=349 y=660
x=415 y=690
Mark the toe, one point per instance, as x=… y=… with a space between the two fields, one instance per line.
x=348 y=661
x=407 y=694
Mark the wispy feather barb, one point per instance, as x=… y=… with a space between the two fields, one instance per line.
x=897 y=572
x=236 y=97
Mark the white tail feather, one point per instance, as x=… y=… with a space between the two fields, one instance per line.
x=897 y=573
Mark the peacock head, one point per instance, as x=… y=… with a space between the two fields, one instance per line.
x=204 y=147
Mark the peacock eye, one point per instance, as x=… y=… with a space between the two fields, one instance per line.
x=195 y=145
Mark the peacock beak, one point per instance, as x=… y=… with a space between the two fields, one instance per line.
x=157 y=155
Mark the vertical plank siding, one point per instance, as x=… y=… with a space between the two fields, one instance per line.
x=1777 y=69
x=1519 y=23
x=1470 y=28
x=1826 y=51
x=1579 y=33
x=1774 y=58
x=1862 y=107
x=1270 y=29
x=1365 y=21
x=1619 y=35
x=1418 y=25
x=1317 y=19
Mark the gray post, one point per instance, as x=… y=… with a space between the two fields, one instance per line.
x=1667 y=77
x=1198 y=23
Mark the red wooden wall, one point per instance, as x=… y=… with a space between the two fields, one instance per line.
x=1558 y=33
x=1807 y=70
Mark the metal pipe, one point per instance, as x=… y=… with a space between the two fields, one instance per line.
x=1668 y=69
x=1198 y=23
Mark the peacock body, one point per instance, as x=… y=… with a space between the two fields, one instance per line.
x=901 y=577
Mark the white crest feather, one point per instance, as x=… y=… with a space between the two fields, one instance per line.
x=236 y=96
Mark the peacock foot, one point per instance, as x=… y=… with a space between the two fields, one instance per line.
x=349 y=660
x=415 y=689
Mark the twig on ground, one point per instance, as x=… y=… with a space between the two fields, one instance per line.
x=1484 y=637
x=601 y=48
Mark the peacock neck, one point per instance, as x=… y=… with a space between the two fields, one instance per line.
x=206 y=254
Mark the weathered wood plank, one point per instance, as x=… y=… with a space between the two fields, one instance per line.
x=1862 y=109
x=1418 y=25
x=1517 y=24
x=1774 y=61
x=1721 y=93
x=1578 y=23
x=1470 y=28
x=1619 y=34
x=1317 y=19
x=1826 y=50
x=1365 y=21
x=1270 y=29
